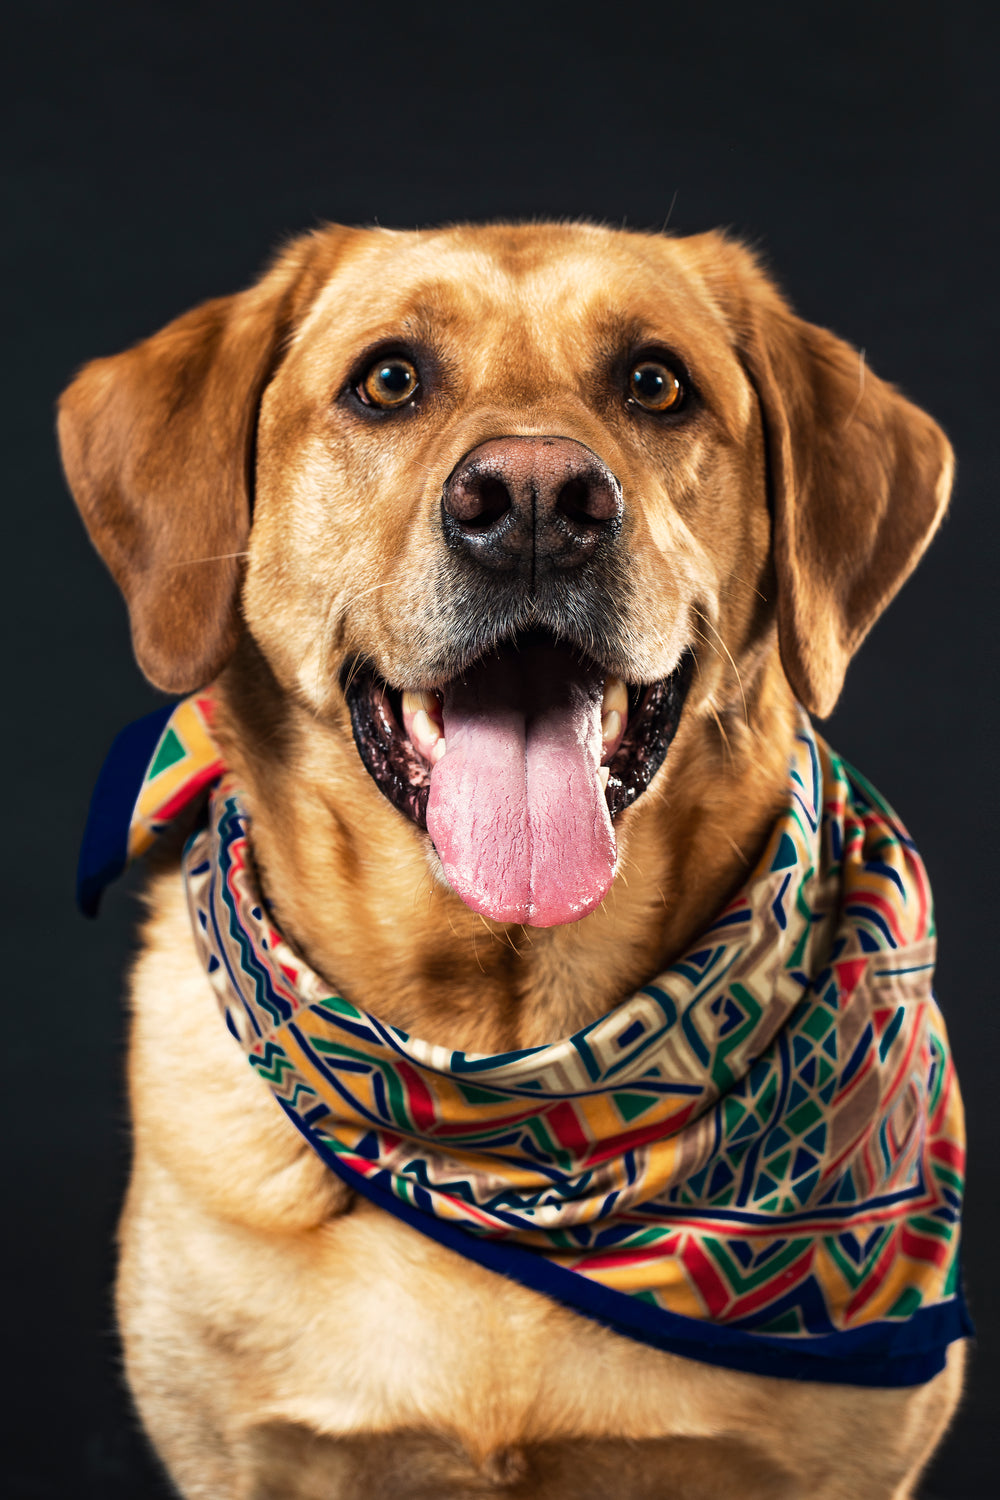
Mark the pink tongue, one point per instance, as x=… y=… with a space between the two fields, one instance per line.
x=516 y=810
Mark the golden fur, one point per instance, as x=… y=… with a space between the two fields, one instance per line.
x=284 y=1338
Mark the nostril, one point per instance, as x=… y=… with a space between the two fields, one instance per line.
x=494 y=502
x=589 y=501
x=573 y=502
x=477 y=501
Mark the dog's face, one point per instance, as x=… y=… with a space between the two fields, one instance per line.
x=524 y=500
x=523 y=475
x=505 y=335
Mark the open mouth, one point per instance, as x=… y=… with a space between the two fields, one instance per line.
x=517 y=769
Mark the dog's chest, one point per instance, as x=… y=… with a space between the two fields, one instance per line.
x=305 y=1329
x=341 y=1311
x=362 y=1324
x=347 y=1319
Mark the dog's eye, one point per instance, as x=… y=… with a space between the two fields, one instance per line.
x=654 y=386
x=389 y=382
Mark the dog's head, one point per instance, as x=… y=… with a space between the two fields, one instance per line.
x=521 y=499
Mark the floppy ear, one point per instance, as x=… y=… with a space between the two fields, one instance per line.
x=859 y=477
x=157 y=446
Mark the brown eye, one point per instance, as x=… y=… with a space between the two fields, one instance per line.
x=654 y=386
x=389 y=382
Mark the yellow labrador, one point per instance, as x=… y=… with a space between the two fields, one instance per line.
x=392 y=450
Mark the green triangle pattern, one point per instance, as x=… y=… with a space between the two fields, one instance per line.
x=168 y=752
x=631 y=1106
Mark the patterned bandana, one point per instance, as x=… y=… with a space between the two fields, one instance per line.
x=755 y=1161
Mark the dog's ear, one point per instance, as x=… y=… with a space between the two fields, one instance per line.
x=859 y=478
x=157 y=446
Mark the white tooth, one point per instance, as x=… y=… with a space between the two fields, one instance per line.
x=425 y=732
x=603 y=773
x=413 y=702
x=438 y=751
x=615 y=697
x=611 y=726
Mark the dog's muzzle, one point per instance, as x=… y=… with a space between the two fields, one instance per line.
x=518 y=758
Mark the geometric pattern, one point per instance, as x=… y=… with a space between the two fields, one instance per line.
x=766 y=1138
x=184 y=762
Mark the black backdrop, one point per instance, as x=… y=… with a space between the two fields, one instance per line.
x=159 y=152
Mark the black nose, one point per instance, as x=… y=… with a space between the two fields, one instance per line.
x=518 y=504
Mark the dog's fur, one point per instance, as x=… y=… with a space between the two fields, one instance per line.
x=284 y=1338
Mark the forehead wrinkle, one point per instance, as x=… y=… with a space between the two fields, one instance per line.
x=393 y=288
x=503 y=257
x=387 y=268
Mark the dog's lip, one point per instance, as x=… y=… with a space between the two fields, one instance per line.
x=403 y=774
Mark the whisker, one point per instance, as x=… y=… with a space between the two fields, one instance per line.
x=355 y=669
x=448 y=917
x=737 y=850
x=736 y=670
x=189 y=562
x=744 y=583
x=722 y=731
x=373 y=590
x=338 y=604
x=510 y=942
x=711 y=644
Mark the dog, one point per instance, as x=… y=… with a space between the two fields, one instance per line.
x=475 y=456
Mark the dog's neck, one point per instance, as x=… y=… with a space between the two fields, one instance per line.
x=355 y=887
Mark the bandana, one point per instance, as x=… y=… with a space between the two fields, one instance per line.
x=755 y=1161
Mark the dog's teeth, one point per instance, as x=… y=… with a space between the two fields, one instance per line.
x=422 y=722
x=615 y=697
x=611 y=729
x=413 y=702
x=425 y=734
x=603 y=772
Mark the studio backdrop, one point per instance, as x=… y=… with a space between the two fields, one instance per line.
x=157 y=154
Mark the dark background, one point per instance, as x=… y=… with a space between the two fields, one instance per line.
x=158 y=154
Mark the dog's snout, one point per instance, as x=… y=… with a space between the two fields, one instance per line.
x=515 y=502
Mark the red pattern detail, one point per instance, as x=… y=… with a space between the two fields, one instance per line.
x=642 y=1136
x=608 y=1260
x=418 y=1098
x=875 y=1277
x=848 y=972
x=951 y=1153
x=923 y=1246
x=188 y=790
x=713 y=1290
x=770 y=1290
x=564 y=1123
